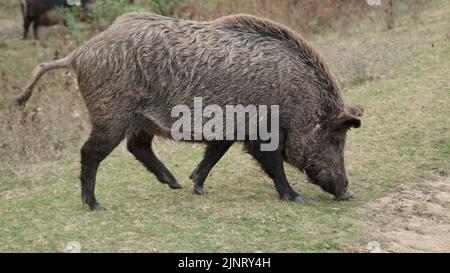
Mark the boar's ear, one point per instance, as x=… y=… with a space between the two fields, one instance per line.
x=356 y=111
x=349 y=118
x=346 y=121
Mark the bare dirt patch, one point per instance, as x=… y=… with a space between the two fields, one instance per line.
x=415 y=219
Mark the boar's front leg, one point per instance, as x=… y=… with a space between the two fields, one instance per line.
x=140 y=145
x=213 y=153
x=272 y=163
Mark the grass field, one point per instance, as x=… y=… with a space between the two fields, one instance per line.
x=401 y=77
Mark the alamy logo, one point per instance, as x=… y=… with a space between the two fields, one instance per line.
x=233 y=122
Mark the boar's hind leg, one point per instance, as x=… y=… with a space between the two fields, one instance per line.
x=214 y=151
x=26 y=26
x=100 y=144
x=272 y=163
x=36 y=24
x=140 y=145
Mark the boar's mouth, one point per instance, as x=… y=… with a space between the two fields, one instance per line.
x=345 y=195
x=314 y=178
x=340 y=194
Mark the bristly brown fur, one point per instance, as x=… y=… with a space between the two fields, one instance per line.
x=284 y=33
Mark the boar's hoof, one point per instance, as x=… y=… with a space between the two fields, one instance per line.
x=199 y=190
x=97 y=208
x=296 y=199
x=93 y=206
x=344 y=196
x=175 y=185
x=299 y=200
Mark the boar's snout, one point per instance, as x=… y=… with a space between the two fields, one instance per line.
x=345 y=195
x=342 y=192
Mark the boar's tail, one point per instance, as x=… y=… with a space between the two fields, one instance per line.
x=39 y=71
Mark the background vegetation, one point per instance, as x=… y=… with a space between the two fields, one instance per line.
x=400 y=76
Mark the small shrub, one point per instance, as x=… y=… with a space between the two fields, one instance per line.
x=105 y=13
x=165 y=7
x=54 y=121
x=70 y=16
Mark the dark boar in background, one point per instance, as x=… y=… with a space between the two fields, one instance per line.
x=43 y=12
x=134 y=73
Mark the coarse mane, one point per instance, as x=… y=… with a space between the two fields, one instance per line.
x=278 y=31
x=325 y=78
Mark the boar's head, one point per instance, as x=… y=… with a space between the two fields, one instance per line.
x=324 y=154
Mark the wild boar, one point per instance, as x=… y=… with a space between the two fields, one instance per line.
x=44 y=12
x=134 y=73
